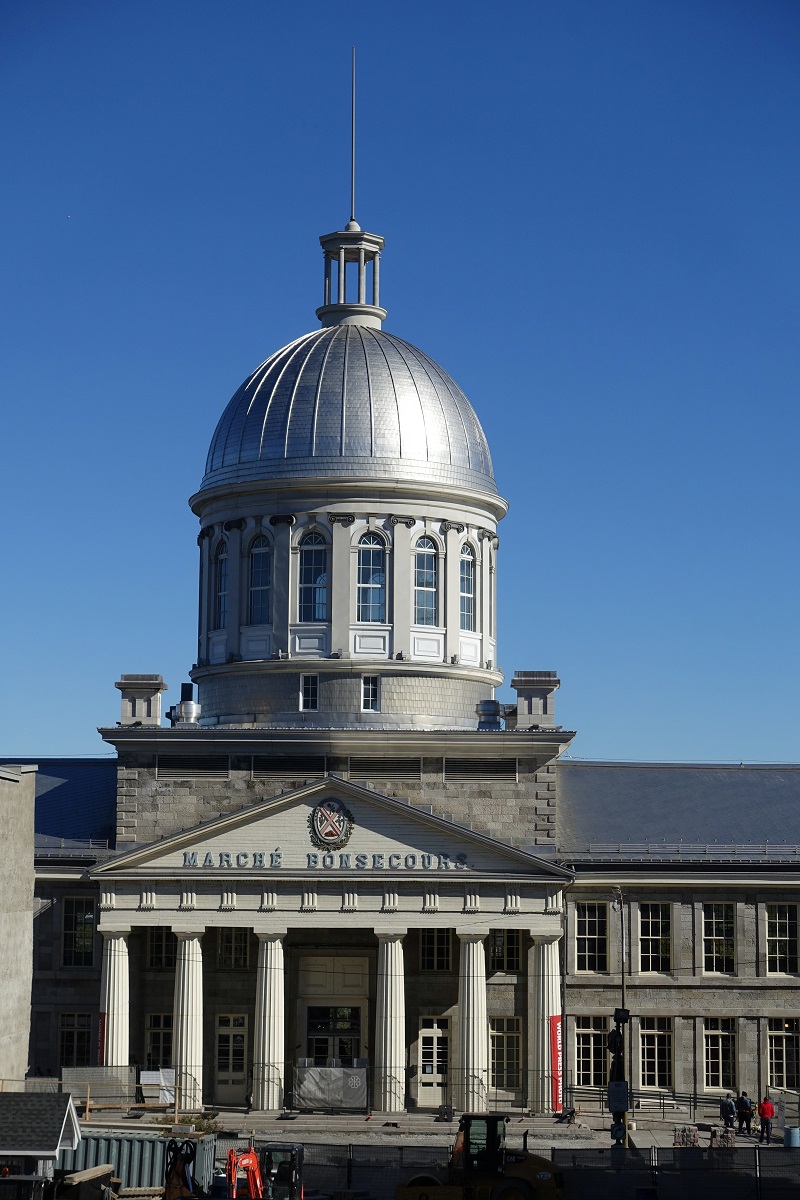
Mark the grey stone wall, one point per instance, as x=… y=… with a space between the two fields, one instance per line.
x=17 y=786
x=520 y=814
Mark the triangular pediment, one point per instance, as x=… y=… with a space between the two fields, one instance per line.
x=329 y=826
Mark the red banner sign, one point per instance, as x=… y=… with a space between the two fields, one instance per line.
x=556 y=1064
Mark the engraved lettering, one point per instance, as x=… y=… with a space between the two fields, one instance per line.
x=461 y=862
x=411 y=861
x=190 y=858
x=276 y=858
x=377 y=862
x=361 y=861
x=208 y=861
x=313 y=859
x=394 y=861
x=224 y=859
x=328 y=860
x=426 y=861
x=241 y=858
x=344 y=862
x=444 y=862
x=258 y=858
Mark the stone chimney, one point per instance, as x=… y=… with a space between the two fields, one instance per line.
x=141 y=699
x=535 y=707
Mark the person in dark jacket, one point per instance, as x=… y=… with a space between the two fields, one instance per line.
x=727 y=1110
x=744 y=1111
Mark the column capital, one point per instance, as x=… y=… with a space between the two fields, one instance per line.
x=111 y=934
x=389 y=935
x=271 y=935
x=183 y=935
x=547 y=939
x=472 y=934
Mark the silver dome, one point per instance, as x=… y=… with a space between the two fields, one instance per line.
x=350 y=402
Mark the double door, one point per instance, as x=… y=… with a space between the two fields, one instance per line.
x=434 y=1054
x=230 y=1086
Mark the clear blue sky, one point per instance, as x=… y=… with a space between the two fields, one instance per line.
x=591 y=214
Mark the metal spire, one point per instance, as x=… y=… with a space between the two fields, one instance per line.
x=353 y=222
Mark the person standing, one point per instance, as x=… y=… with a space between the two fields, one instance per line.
x=744 y=1111
x=766 y=1111
x=727 y=1110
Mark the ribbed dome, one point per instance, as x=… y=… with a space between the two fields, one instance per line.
x=350 y=402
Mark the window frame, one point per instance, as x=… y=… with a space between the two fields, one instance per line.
x=313 y=593
x=162 y=948
x=371 y=703
x=599 y=915
x=719 y=1033
x=259 y=595
x=505 y=951
x=309 y=692
x=69 y=959
x=161 y=1034
x=656 y=1049
x=719 y=947
x=435 y=951
x=655 y=938
x=428 y=593
x=371 y=566
x=82 y=1025
x=467 y=588
x=782 y=944
x=591 y=1051
x=784 y=1044
x=233 y=948
x=221 y=580
x=505 y=1054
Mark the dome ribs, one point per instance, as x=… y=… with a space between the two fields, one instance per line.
x=298 y=435
x=412 y=431
x=328 y=432
x=357 y=440
x=275 y=411
x=328 y=342
x=384 y=402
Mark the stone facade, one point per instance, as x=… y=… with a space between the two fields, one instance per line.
x=17 y=785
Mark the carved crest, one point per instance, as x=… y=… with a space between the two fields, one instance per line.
x=330 y=824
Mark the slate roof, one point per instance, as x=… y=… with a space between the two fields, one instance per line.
x=37 y=1124
x=660 y=810
x=75 y=801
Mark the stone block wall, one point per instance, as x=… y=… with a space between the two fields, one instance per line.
x=17 y=788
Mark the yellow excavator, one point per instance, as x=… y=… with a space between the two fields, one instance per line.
x=482 y=1167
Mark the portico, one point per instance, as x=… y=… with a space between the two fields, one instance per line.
x=363 y=954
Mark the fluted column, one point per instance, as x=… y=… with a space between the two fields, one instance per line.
x=187 y=1022
x=268 y=1042
x=473 y=1028
x=544 y=1002
x=390 y=1026
x=114 y=1002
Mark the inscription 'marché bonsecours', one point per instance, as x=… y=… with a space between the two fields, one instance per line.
x=270 y=860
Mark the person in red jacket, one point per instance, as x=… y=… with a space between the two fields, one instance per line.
x=766 y=1111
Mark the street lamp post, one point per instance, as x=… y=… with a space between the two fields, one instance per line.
x=617 y=1083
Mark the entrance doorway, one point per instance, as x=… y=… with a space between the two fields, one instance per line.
x=434 y=1052
x=334 y=1035
x=231 y=1061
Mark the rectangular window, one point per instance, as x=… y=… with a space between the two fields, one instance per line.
x=506 y=1048
x=309 y=693
x=718 y=938
x=233 y=949
x=370 y=696
x=78 y=942
x=592 y=937
x=158 y=1040
x=656 y=1051
x=75 y=1039
x=654 y=937
x=782 y=939
x=434 y=950
x=591 y=1051
x=784 y=1053
x=161 y=948
x=504 y=950
x=720 y=1043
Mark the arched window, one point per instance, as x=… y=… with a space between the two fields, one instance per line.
x=221 y=586
x=467 y=588
x=260 y=581
x=312 y=597
x=426 y=609
x=371 y=603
